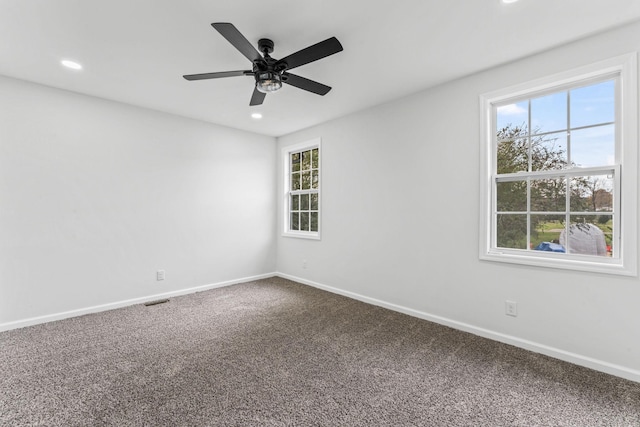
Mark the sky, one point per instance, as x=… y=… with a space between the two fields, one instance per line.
x=592 y=105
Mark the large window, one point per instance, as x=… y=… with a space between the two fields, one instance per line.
x=554 y=176
x=302 y=190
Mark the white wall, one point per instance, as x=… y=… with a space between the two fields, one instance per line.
x=95 y=196
x=400 y=224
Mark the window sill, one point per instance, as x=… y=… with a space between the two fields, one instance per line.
x=561 y=261
x=302 y=235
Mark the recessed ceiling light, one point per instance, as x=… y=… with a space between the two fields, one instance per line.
x=509 y=1
x=256 y=116
x=71 y=64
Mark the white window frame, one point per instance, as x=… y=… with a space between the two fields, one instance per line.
x=625 y=170
x=286 y=154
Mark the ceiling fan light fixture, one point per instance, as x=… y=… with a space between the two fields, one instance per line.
x=268 y=81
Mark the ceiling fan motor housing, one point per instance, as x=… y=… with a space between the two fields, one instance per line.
x=267 y=71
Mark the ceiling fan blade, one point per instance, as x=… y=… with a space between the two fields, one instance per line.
x=215 y=75
x=233 y=36
x=312 y=53
x=257 y=98
x=305 y=84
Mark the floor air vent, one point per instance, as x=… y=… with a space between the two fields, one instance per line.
x=160 y=301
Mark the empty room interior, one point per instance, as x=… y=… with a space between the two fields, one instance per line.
x=431 y=220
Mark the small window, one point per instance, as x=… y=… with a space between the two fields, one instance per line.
x=302 y=190
x=553 y=181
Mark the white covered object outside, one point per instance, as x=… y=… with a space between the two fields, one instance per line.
x=584 y=238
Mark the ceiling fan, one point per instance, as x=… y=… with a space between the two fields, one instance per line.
x=270 y=73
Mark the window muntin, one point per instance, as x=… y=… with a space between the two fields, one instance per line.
x=590 y=181
x=302 y=184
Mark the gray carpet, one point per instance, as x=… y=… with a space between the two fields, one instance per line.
x=276 y=353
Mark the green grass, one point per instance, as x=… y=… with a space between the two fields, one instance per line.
x=542 y=232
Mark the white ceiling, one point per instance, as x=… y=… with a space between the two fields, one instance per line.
x=136 y=51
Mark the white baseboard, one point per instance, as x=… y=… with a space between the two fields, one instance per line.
x=577 y=359
x=110 y=306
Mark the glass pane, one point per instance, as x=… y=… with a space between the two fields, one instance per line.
x=314 y=179
x=314 y=221
x=511 y=231
x=512 y=115
x=304 y=202
x=593 y=104
x=306 y=180
x=306 y=160
x=605 y=223
x=295 y=202
x=592 y=193
x=549 y=195
x=295 y=181
x=585 y=237
x=602 y=193
x=295 y=162
x=545 y=233
x=512 y=155
x=314 y=202
x=580 y=194
x=315 y=158
x=549 y=113
x=549 y=151
x=295 y=223
x=511 y=196
x=593 y=146
x=304 y=221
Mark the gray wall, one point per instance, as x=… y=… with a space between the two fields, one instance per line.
x=95 y=196
x=400 y=224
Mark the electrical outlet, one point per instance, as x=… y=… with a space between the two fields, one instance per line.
x=160 y=275
x=511 y=308
x=304 y=264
